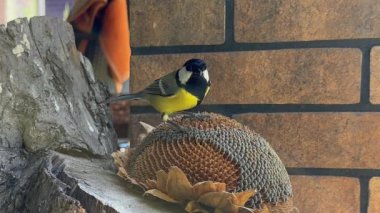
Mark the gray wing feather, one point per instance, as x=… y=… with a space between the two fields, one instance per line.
x=165 y=86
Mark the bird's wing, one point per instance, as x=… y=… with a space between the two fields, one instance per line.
x=165 y=86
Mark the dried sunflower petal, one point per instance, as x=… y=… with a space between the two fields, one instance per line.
x=207 y=186
x=194 y=207
x=178 y=186
x=161 y=195
x=243 y=197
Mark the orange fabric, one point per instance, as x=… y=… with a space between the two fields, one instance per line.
x=114 y=40
x=114 y=35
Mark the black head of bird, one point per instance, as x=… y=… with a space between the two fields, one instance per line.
x=195 y=65
x=194 y=70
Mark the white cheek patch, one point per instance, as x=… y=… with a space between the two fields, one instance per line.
x=205 y=75
x=184 y=75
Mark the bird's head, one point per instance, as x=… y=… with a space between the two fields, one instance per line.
x=193 y=68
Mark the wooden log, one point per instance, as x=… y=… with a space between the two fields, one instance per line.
x=49 y=100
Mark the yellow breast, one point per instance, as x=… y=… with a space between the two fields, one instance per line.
x=180 y=101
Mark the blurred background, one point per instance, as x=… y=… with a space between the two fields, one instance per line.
x=11 y=9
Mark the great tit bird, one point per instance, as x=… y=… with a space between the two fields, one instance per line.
x=177 y=91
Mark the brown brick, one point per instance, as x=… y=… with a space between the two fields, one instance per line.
x=176 y=22
x=319 y=194
x=305 y=20
x=375 y=76
x=327 y=140
x=374 y=195
x=309 y=76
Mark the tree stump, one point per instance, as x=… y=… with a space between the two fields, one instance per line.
x=56 y=136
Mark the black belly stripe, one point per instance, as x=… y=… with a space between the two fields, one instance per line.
x=197 y=87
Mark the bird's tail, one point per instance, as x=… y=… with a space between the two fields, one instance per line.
x=133 y=96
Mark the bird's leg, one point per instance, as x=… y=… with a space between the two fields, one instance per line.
x=165 y=117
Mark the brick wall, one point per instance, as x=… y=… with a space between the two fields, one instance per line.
x=305 y=74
